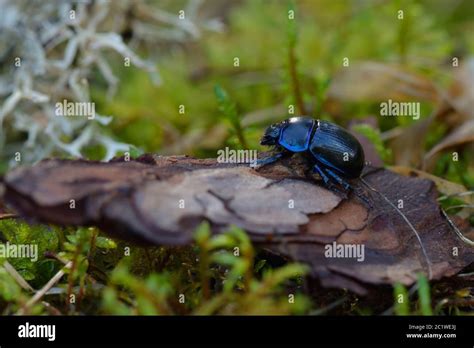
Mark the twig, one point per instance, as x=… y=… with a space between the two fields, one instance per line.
x=17 y=276
x=44 y=290
x=8 y=216
x=460 y=206
x=461 y=275
x=459 y=194
x=456 y=229
x=51 y=309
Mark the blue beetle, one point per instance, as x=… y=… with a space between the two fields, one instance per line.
x=334 y=153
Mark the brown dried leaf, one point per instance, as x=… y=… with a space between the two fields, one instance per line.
x=379 y=82
x=407 y=147
x=461 y=135
x=445 y=187
x=461 y=93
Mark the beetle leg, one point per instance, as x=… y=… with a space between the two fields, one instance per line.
x=364 y=198
x=322 y=173
x=348 y=187
x=340 y=180
x=268 y=160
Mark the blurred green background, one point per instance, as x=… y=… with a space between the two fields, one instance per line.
x=260 y=34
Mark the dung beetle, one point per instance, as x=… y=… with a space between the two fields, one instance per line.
x=334 y=153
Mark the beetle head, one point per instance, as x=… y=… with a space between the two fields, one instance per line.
x=272 y=134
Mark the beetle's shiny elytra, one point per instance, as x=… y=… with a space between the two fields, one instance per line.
x=334 y=153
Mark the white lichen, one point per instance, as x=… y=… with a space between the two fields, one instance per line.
x=49 y=51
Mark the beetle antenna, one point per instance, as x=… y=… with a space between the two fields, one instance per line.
x=428 y=262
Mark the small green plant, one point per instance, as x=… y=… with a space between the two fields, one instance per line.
x=292 y=35
x=226 y=278
x=424 y=295
x=12 y=296
x=402 y=303
x=228 y=108
x=44 y=237
x=402 y=298
x=373 y=135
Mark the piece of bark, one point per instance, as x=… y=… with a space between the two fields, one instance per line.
x=161 y=200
